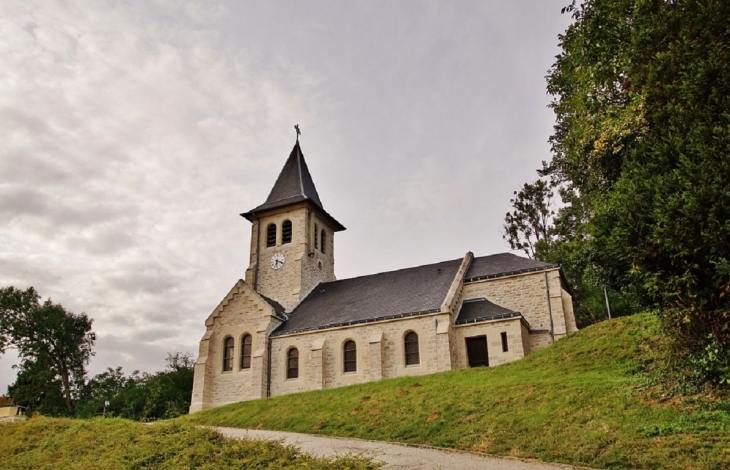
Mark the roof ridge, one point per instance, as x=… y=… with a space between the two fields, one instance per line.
x=299 y=167
x=293 y=185
x=393 y=271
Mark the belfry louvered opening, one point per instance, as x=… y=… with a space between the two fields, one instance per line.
x=271 y=235
x=286 y=230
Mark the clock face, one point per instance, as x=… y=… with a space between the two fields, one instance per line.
x=277 y=260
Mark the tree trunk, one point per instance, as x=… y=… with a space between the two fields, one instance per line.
x=66 y=388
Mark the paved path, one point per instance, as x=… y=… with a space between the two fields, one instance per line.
x=395 y=456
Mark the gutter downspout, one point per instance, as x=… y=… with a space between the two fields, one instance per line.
x=550 y=308
x=268 y=370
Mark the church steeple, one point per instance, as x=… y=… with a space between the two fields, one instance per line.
x=293 y=185
x=292 y=237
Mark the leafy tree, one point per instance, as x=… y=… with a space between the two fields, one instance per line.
x=529 y=226
x=39 y=389
x=534 y=227
x=165 y=394
x=53 y=344
x=642 y=146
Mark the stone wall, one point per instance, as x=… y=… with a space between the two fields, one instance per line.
x=526 y=293
x=492 y=330
x=304 y=267
x=242 y=312
x=380 y=353
x=567 y=302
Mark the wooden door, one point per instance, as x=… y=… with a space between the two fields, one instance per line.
x=476 y=351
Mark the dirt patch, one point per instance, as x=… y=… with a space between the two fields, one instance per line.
x=470 y=418
x=402 y=393
x=374 y=412
x=260 y=425
x=318 y=425
x=415 y=384
x=354 y=412
x=365 y=398
x=433 y=417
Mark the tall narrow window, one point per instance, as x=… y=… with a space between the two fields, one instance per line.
x=271 y=235
x=316 y=236
x=246 y=352
x=505 y=348
x=286 y=232
x=292 y=364
x=324 y=234
x=228 y=354
x=350 y=356
x=411 y=348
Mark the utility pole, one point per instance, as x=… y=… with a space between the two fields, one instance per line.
x=608 y=305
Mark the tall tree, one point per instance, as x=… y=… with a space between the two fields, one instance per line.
x=642 y=143
x=46 y=335
x=529 y=226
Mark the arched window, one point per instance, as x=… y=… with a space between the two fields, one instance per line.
x=316 y=236
x=411 y=348
x=271 y=235
x=246 y=352
x=228 y=354
x=286 y=232
x=324 y=234
x=350 y=356
x=292 y=364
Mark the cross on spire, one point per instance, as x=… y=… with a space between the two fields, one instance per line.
x=296 y=128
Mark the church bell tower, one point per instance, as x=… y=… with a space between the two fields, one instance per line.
x=292 y=237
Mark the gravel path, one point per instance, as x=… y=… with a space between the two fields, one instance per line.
x=395 y=456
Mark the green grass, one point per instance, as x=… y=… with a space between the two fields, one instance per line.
x=579 y=402
x=45 y=443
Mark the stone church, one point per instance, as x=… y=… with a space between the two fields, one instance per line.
x=291 y=326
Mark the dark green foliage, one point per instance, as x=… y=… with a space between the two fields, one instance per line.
x=38 y=388
x=53 y=345
x=641 y=152
x=143 y=397
x=534 y=228
x=529 y=226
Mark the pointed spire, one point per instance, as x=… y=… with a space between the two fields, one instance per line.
x=294 y=181
x=293 y=185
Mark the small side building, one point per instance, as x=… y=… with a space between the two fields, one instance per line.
x=291 y=326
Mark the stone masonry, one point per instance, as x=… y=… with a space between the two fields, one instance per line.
x=517 y=305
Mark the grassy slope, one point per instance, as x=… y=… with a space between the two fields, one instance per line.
x=43 y=443
x=577 y=402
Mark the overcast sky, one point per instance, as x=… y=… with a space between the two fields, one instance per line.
x=133 y=134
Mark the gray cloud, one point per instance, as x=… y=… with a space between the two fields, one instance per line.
x=134 y=133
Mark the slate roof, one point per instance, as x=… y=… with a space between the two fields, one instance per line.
x=293 y=185
x=477 y=310
x=502 y=264
x=278 y=308
x=393 y=294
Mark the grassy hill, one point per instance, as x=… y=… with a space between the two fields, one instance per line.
x=45 y=443
x=579 y=402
